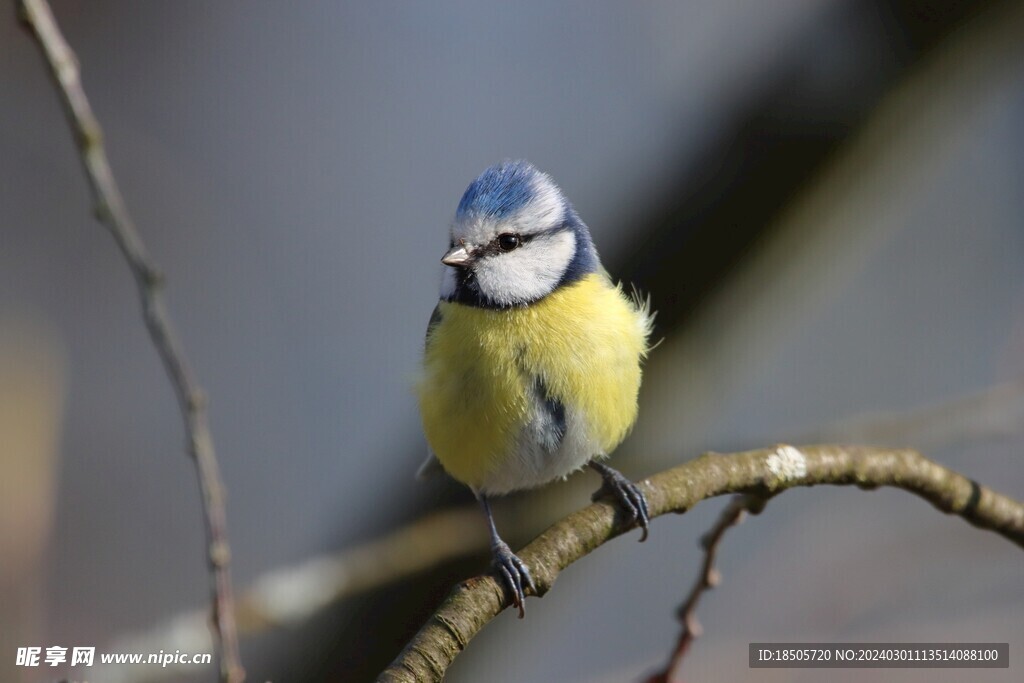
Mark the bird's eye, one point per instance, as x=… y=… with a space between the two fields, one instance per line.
x=508 y=241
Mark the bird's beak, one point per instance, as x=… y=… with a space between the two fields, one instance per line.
x=456 y=256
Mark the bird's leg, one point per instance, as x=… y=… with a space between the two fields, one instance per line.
x=629 y=495
x=509 y=567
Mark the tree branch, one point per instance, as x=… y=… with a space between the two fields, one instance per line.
x=290 y=596
x=764 y=473
x=709 y=578
x=111 y=211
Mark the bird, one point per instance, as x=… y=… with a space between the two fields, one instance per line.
x=532 y=358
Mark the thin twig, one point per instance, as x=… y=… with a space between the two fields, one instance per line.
x=111 y=211
x=765 y=473
x=709 y=578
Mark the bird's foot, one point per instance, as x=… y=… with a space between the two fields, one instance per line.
x=631 y=498
x=514 y=574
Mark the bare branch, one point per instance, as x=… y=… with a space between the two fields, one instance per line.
x=288 y=595
x=709 y=578
x=111 y=211
x=291 y=595
x=764 y=473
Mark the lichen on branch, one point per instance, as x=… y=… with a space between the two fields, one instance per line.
x=765 y=473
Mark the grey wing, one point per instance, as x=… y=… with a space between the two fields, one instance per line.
x=431 y=466
x=435 y=320
x=549 y=424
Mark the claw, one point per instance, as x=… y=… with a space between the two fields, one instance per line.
x=631 y=498
x=514 y=573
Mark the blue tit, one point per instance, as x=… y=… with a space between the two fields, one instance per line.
x=532 y=358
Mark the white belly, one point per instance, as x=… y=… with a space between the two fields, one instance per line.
x=534 y=462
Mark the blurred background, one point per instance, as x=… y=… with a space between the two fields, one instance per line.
x=823 y=199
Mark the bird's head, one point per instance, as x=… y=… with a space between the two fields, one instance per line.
x=515 y=239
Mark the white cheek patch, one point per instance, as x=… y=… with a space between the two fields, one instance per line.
x=528 y=273
x=448 y=283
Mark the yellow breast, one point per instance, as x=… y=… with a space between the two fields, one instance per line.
x=584 y=341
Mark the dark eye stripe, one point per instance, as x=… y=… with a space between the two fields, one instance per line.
x=494 y=246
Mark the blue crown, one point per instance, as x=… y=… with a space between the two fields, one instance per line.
x=500 y=191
